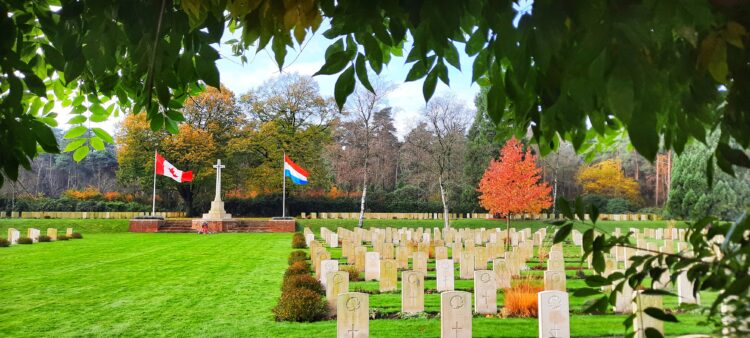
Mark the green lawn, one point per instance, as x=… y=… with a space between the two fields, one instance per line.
x=188 y=285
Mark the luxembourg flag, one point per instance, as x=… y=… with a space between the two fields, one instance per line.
x=295 y=172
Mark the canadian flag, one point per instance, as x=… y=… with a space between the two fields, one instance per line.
x=167 y=169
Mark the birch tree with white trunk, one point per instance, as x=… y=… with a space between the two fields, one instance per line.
x=361 y=108
x=447 y=119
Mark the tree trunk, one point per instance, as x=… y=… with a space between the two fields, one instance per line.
x=507 y=232
x=446 y=223
x=186 y=193
x=362 y=202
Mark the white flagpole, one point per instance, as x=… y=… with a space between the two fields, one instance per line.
x=283 y=177
x=153 y=202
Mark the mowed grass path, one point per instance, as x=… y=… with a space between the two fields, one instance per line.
x=143 y=285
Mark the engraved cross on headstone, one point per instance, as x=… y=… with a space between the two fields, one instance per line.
x=352 y=330
x=218 y=167
x=456 y=328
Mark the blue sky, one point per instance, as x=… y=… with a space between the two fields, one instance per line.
x=406 y=98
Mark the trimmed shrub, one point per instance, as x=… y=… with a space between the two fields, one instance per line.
x=298 y=268
x=297 y=256
x=4 y=243
x=302 y=282
x=44 y=238
x=298 y=241
x=76 y=235
x=300 y=305
x=521 y=300
x=352 y=271
x=619 y=206
x=25 y=240
x=62 y=238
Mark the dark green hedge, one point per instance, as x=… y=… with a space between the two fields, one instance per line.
x=69 y=204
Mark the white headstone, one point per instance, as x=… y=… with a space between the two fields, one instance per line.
x=455 y=314
x=334 y=242
x=337 y=283
x=685 y=290
x=353 y=317
x=485 y=292
x=34 y=234
x=554 y=316
x=624 y=302
x=327 y=266
x=554 y=280
x=642 y=321
x=13 y=235
x=445 y=272
x=412 y=291
x=372 y=266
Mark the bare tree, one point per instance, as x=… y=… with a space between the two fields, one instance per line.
x=446 y=119
x=361 y=108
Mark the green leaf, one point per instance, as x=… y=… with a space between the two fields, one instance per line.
x=620 y=95
x=75 y=132
x=81 y=153
x=580 y=210
x=451 y=55
x=562 y=233
x=175 y=115
x=653 y=333
x=335 y=47
x=734 y=156
x=564 y=207
x=643 y=134
x=335 y=63
x=428 y=87
x=496 y=102
x=171 y=126
x=157 y=122
x=597 y=261
x=75 y=144
x=596 y=281
x=35 y=84
x=594 y=213
x=344 y=86
x=657 y=292
x=97 y=143
x=208 y=72
x=77 y=119
x=475 y=43
x=45 y=137
x=419 y=69
x=361 y=70
x=660 y=315
x=98 y=118
x=103 y=134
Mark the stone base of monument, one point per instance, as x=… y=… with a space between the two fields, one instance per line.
x=217 y=212
x=214 y=226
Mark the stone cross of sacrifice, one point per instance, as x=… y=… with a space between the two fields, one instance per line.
x=218 y=167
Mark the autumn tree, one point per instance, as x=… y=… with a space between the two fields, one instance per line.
x=607 y=179
x=483 y=140
x=191 y=149
x=285 y=114
x=512 y=185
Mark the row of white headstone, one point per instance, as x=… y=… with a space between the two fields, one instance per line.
x=14 y=234
x=352 y=311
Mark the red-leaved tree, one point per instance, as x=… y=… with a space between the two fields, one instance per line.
x=512 y=185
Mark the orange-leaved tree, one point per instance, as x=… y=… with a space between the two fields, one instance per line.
x=512 y=185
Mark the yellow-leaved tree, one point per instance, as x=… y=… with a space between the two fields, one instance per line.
x=607 y=179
